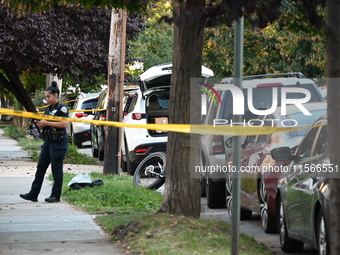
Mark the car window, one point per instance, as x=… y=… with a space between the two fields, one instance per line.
x=159 y=101
x=321 y=143
x=74 y=107
x=90 y=104
x=303 y=121
x=262 y=99
x=307 y=143
x=163 y=100
x=127 y=103
x=267 y=123
x=133 y=103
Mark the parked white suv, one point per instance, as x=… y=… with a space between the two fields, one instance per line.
x=150 y=104
x=79 y=131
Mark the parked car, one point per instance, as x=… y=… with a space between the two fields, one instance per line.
x=260 y=171
x=79 y=131
x=98 y=131
x=213 y=148
x=150 y=104
x=303 y=208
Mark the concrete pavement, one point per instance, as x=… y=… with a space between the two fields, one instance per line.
x=43 y=228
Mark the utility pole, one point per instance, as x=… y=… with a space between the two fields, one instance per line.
x=115 y=84
x=236 y=190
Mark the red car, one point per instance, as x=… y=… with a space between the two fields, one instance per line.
x=259 y=172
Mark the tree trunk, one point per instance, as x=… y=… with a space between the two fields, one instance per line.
x=115 y=87
x=14 y=85
x=333 y=95
x=182 y=191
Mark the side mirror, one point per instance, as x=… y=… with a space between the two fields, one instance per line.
x=229 y=142
x=281 y=154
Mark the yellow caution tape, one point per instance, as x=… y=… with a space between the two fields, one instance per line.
x=91 y=110
x=182 y=128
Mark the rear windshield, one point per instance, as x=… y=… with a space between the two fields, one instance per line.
x=91 y=104
x=262 y=99
x=160 y=99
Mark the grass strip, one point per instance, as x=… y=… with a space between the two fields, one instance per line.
x=128 y=213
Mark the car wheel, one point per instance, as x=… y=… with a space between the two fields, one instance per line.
x=215 y=192
x=267 y=220
x=322 y=236
x=101 y=155
x=203 y=187
x=94 y=150
x=131 y=167
x=123 y=163
x=75 y=141
x=244 y=213
x=229 y=198
x=287 y=244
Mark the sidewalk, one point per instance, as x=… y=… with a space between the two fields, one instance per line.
x=43 y=228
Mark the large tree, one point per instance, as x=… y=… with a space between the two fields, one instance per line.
x=66 y=41
x=333 y=94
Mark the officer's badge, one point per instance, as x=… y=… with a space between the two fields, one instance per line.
x=53 y=112
x=63 y=109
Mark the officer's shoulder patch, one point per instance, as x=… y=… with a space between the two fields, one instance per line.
x=63 y=109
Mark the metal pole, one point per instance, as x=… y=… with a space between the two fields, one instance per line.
x=238 y=61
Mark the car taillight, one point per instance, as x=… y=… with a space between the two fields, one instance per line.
x=141 y=150
x=125 y=113
x=137 y=116
x=102 y=117
x=265 y=85
x=81 y=114
x=217 y=144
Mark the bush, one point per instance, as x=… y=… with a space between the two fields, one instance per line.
x=14 y=132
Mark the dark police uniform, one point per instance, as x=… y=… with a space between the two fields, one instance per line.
x=52 y=152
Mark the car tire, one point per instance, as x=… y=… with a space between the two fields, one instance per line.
x=267 y=219
x=322 y=240
x=287 y=244
x=101 y=155
x=228 y=194
x=75 y=141
x=123 y=163
x=215 y=193
x=131 y=167
x=203 y=187
x=244 y=213
x=94 y=150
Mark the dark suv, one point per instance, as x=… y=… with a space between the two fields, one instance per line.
x=213 y=147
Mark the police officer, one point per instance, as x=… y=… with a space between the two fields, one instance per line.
x=54 y=148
